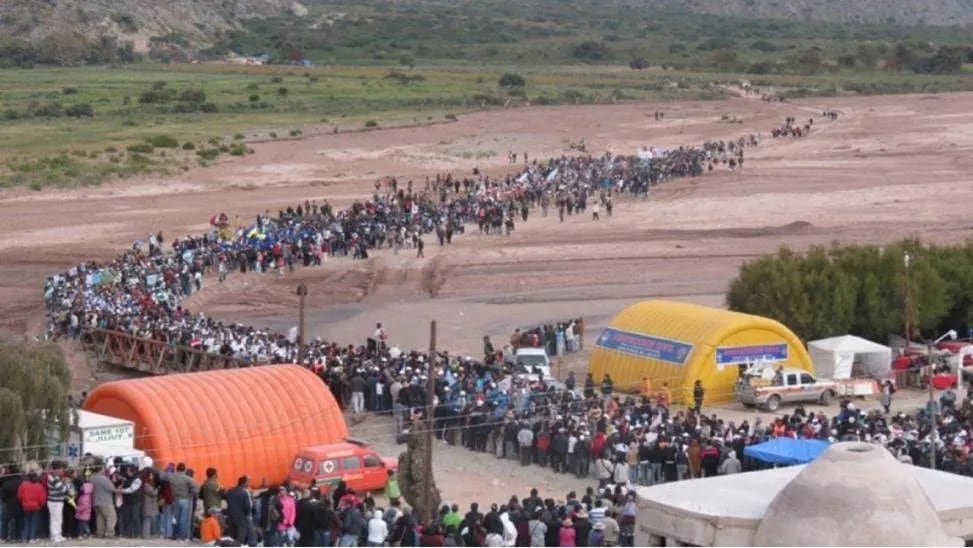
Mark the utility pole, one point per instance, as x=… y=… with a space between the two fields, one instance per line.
x=301 y=341
x=427 y=512
x=908 y=301
x=931 y=406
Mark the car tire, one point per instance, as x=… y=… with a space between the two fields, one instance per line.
x=827 y=397
x=773 y=403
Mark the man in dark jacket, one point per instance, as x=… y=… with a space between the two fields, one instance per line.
x=13 y=514
x=352 y=526
x=308 y=515
x=239 y=508
x=698 y=393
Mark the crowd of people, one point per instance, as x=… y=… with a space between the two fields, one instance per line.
x=591 y=432
x=791 y=128
x=105 y=500
x=140 y=292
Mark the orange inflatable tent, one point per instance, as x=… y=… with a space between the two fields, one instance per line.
x=240 y=421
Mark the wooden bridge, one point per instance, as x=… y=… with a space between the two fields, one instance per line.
x=154 y=357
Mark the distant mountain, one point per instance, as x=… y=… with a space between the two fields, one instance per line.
x=902 y=12
x=104 y=31
x=184 y=23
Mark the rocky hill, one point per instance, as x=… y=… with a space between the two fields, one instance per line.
x=903 y=12
x=190 y=23
x=64 y=31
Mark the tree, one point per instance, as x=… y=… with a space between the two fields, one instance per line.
x=512 y=80
x=591 y=51
x=639 y=63
x=34 y=382
x=859 y=289
x=80 y=110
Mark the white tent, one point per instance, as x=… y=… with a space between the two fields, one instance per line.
x=833 y=357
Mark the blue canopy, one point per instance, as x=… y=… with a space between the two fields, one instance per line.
x=786 y=450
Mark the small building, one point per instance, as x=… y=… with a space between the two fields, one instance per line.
x=676 y=343
x=853 y=494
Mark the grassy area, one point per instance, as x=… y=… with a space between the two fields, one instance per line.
x=194 y=114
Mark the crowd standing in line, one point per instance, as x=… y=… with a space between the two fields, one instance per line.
x=140 y=292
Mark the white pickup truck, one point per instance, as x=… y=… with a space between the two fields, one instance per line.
x=787 y=386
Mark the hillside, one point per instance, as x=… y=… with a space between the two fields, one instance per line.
x=725 y=35
x=75 y=24
x=902 y=12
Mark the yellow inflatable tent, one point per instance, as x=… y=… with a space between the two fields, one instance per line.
x=674 y=343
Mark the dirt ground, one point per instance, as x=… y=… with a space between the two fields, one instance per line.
x=889 y=167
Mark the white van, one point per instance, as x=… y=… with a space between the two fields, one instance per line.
x=532 y=362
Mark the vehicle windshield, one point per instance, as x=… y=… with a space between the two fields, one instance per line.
x=531 y=359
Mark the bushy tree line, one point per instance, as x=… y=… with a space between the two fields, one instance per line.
x=34 y=382
x=831 y=291
x=65 y=49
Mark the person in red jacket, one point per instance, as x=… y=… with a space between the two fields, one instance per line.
x=32 y=497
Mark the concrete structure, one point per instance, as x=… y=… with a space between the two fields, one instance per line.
x=853 y=495
x=676 y=343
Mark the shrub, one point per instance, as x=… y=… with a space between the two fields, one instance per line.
x=276 y=80
x=163 y=141
x=69 y=91
x=371 y=123
x=451 y=117
x=591 y=51
x=677 y=48
x=156 y=96
x=282 y=91
x=159 y=85
x=639 y=63
x=208 y=153
x=295 y=132
x=188 y=146
x=224 y=149
x=763 y=45
x=715 y=43
x=253 y=87
x=511 y=80
x=10 y=114
x=761 y=67
x=185 y=108
x=126 y=100
x=50 y=109
x=209 y=108
x=193 y=96
x=273 y=134
x=254 y=98
x=80 y=109
x=238 y=150
x=238 y=136
x=141 y=148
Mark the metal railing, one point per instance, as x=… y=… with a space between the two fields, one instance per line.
x=152 y=356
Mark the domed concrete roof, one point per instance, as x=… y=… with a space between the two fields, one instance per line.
x=853 y=494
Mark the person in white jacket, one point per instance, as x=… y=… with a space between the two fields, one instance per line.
x=378 y=530
x=509 y=530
